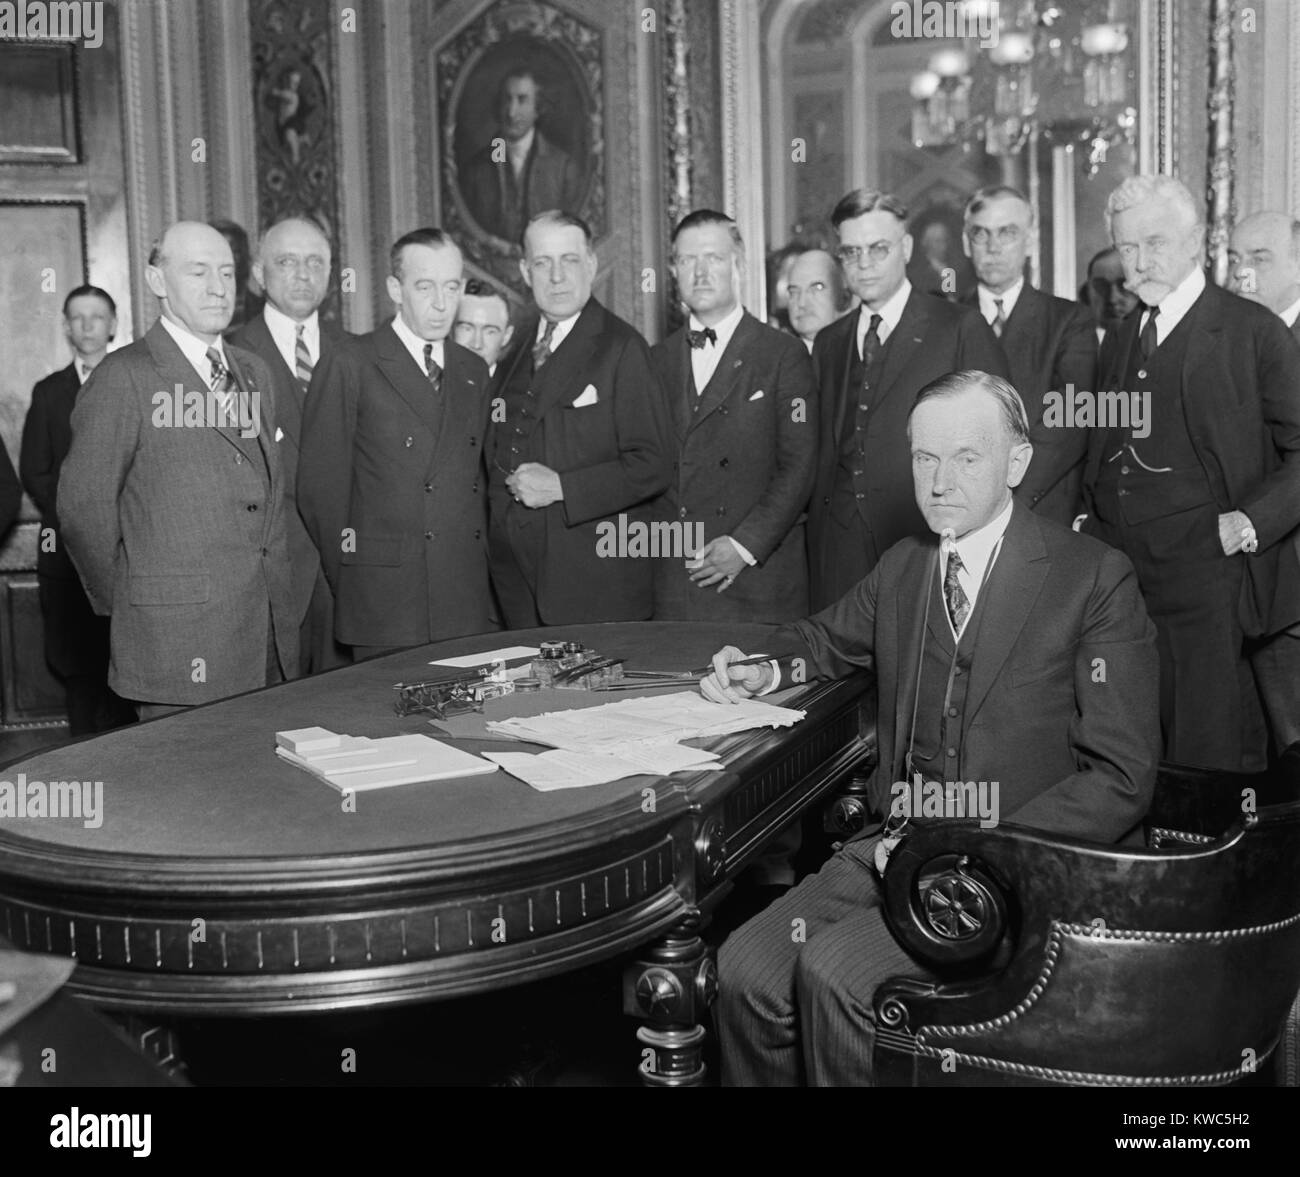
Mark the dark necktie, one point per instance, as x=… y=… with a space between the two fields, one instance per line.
x=1000 y=319
x=954 y=595
x=699 y=338
x=871 y=341
x=542 y=348
x=431 y=368
x=302 y=358
x=1147 y=340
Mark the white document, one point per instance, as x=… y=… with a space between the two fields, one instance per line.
x=506 y=655
x=562 y=769
x=394 y=760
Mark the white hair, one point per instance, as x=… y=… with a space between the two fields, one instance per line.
x=1140 y=189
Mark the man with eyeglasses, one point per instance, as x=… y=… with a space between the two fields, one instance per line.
x=1202 y=493
x=869 y=368
x=742 y=400
x=580 y=439
x=817 y=294
x=1048 y=342
x=293 y=268
x=391 y=480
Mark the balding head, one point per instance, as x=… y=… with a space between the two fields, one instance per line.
x=192 y=270
x=817 y=294
x=1264 y=260
x=293 y=266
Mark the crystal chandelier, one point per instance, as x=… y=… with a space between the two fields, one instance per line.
x=1055 y=70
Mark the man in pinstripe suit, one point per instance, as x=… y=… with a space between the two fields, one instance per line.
x=1015 y=653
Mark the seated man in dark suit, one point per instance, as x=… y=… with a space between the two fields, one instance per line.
x=1049 y=343
x=76 y=639
x=1008 y=651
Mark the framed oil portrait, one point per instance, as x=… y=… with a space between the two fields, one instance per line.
x=521 y=96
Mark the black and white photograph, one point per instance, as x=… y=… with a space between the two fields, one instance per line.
x=686 y=543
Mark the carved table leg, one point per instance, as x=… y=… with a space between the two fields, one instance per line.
x=670 y=988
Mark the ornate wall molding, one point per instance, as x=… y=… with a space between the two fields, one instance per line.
x=677 y=112
x=399 y=84
x=227 y=40
x=1220 y=207
x=742 y=137
x=136 y=49
x=1293 y=91
x=354 y=244
x=1158 y=87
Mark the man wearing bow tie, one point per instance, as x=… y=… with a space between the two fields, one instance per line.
x=579 y=447
x=1007 y=650
x=174 y=518
x=390 y=480
x=869 y=368
x=1202 y=496
x=742 y=403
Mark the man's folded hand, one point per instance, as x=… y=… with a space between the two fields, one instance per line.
x=731 y=684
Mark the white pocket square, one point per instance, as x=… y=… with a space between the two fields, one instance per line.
x=758 y=396
x=279 y=433
x=588 y=397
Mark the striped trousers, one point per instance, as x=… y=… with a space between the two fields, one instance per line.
x=795 y=984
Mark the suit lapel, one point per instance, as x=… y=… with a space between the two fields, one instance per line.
x=560 y=380
x=1205 y=337
x=728 y=372
x=262 y=342
x=904 y=340
x=677 y=355
x=458 y=398
x=402 y=372
x=1008 y=597
x=916 y=588
x=258 y=408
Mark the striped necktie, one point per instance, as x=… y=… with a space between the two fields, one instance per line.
x=222 y=382
x=1000 y=319
x=542 y=348
x=302 y=357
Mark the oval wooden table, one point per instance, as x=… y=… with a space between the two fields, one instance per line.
x=223 y=880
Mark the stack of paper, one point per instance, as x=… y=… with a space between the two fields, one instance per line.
x=573 y=770
x=353 y=763
x=661 y=719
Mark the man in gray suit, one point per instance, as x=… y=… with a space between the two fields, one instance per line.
x=293 y=267
x=1265 y=259
x=172 y=496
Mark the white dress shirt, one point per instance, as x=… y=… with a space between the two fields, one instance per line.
x=704 y=360
x=1291 y=314
x=83 y=370
x=1175 y=305
x=284 y=331
x=889 y=314
x=415 y=345
x=562 y=329
x=978 y=550
x=195 y=350
x=517 y=151
x=1008 y=298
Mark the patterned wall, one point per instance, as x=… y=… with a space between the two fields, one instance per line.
x=293 y=101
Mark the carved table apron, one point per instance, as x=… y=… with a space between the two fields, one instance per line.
x=225 y=881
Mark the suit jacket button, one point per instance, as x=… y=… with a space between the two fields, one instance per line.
x=266 y=552
x=428 y=487
x=252 y=506
x=428 y=535
x=410 y=441
x=826 y=500
x=722 y=510
x=239 y=459
x=1142 y=373
x=1124 y=470
x=478 y=535
x=723 y=463
x=681 y=513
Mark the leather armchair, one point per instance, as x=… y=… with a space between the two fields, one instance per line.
x=1065 y=962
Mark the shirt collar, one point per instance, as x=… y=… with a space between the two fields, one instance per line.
x=518 y=149
x=1291 y=314
x=415 y=345
x=194 y=349
x=562 y=328
x=889 y=314
x=1009 y=298
x=976 y=548
x=1178 y=302
x=724 y=329
x=284 y=329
